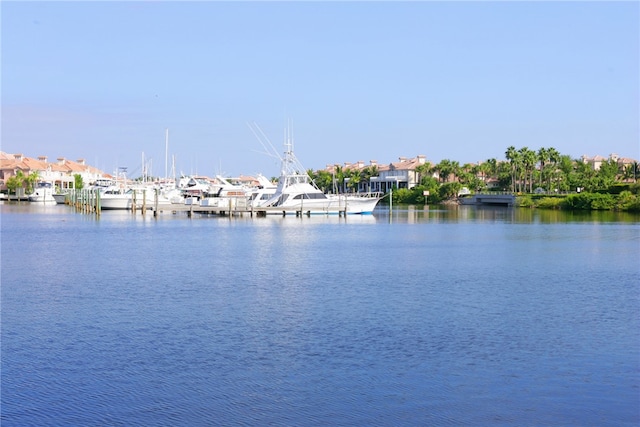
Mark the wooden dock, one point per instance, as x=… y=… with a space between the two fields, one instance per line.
x=495 y=199
x=241 y=211
x=88 y=201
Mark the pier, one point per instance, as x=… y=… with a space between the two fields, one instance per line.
x=88 y=201
x=494 y=199
x=242 y=211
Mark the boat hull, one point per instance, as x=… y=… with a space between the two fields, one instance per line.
x=60 y=198
x=350 y=205
x=43 y=193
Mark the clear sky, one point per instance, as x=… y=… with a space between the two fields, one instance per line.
x=359 y=80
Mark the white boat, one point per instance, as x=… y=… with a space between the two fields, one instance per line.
x=222 y=193
x=43 y=193
x=115 y=198
x=60 y=198
x=296 y=192
x=194 y=187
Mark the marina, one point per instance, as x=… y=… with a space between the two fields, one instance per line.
x=91 y=202
x=294 y=194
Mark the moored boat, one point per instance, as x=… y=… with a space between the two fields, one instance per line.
x=60 y=198
x=149 y=197
x=43 y=193
x=296 y=192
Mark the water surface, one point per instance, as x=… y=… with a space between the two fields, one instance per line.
x=463 y=316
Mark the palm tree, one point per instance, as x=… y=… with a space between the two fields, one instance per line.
x=338 y=179
x=628 y=172
x=514 y=159
x=16 y=181
x=491 y=169
x=543 y=157
x=445 y=168
x=31 y=181
x=323 y=180
x=423 y=171
x=455 y=165
x=367 y=173
x=554 y=159
x=528 y=161
x=353 y=177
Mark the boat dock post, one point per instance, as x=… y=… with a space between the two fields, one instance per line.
x=85 y=201
x=98 y=204
x=155 y=203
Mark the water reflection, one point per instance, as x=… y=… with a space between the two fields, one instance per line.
x=410 y=214
x=449 y=316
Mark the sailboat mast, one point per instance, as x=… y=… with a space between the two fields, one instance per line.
x=166 y=154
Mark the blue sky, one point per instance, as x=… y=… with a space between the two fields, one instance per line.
x=359 y=80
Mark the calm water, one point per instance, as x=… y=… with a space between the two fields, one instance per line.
x=432 y=317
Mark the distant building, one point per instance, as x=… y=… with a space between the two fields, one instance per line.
x=400 y=174
x=60 y=173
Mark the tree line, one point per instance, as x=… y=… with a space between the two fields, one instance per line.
x=525 y=171
x=28 y=182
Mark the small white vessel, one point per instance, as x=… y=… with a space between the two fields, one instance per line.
x=43 y=193
x=117 y=199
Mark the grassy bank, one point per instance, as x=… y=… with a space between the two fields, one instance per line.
x=624 y=201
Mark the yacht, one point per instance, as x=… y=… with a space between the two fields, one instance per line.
x=117 y=198
x=43 y=193
x=296 y=192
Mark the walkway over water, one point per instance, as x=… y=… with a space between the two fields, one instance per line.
x=501 y=199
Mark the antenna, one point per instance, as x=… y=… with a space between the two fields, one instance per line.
x=270 y=150
x=166 y=153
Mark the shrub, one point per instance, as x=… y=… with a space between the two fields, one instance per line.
x=602 y=202
x=628 y=201
x=589 y=201
x=525 y=201
x=577 y=202
x=550 y=203
x=402 y=195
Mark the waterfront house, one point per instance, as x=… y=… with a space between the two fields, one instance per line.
x=401 y=174
x=60 y=173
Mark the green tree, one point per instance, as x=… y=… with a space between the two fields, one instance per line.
x=402 y=196
x=31 y=181
x=528 y=163
x=353 y=177
x=628 y=173
x=366 y=174
x=338 y=179
x=324 y=180
x=491 y=169
x=77 y=179
x=423 y=171
x=607 y=174
x=513 y=156
x=446 y=168
x=16 y=181
x=449 y=190
x=470 y=176
x=554 y=159
x=543 y=158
